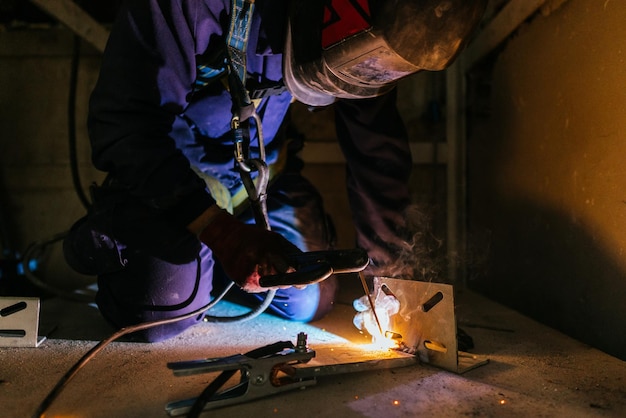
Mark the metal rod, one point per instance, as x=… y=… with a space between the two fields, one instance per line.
x=369 y=298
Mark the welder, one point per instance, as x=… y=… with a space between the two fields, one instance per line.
x=172 y=220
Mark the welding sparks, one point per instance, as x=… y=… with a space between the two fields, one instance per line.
x=385 y=307
x=380 y=344
x=380 y=341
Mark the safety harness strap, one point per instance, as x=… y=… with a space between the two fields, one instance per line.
x=236 y=47
x=243 y=110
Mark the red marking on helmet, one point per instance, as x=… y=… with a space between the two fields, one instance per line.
x=344 y=18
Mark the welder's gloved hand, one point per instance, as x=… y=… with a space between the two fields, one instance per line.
x=247 y=252
x=386 y=306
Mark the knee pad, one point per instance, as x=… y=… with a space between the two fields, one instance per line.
x=89 y=249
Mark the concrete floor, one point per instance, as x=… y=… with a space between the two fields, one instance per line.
x=533 y=370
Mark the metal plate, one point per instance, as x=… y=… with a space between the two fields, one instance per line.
x=19 y=322
x=427 y=323
x=352 y=358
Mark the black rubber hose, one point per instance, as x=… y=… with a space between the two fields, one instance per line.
x=71 y=121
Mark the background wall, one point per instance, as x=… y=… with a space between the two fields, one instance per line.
x=38 y=199
x=547 y=176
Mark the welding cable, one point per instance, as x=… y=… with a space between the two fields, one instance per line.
x=71 y=122
x=269 y=297
x=201 y=401
x=73 y=159
x=69 y=375
x=30 y=254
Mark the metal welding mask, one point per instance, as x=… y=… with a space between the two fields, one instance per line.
x=359 y=48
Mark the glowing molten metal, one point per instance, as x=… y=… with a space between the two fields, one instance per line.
x=386 y=306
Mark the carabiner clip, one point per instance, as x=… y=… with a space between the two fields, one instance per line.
x=241 y=155
x=242 y=147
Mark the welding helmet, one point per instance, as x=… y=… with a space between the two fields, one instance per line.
x=360 y=48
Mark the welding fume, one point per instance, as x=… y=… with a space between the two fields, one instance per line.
x=204 y=192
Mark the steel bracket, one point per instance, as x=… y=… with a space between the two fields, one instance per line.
x=19 y=322
x=426 y=323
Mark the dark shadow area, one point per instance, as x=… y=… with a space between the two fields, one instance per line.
x=552 y=270
x=17 y=12
x=12 y=279
x=66 y=320
x=543 y=262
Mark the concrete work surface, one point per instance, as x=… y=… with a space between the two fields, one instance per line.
x=533 y=370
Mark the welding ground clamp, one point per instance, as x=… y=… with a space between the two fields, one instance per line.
x=265 y=371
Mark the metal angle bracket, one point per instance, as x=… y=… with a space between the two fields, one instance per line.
x=19 y=322
x=427 y=323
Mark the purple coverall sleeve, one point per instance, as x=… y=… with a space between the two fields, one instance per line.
x=374 y=141
x=145 y=81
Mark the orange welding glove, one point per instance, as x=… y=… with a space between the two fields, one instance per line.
x=247 y=252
